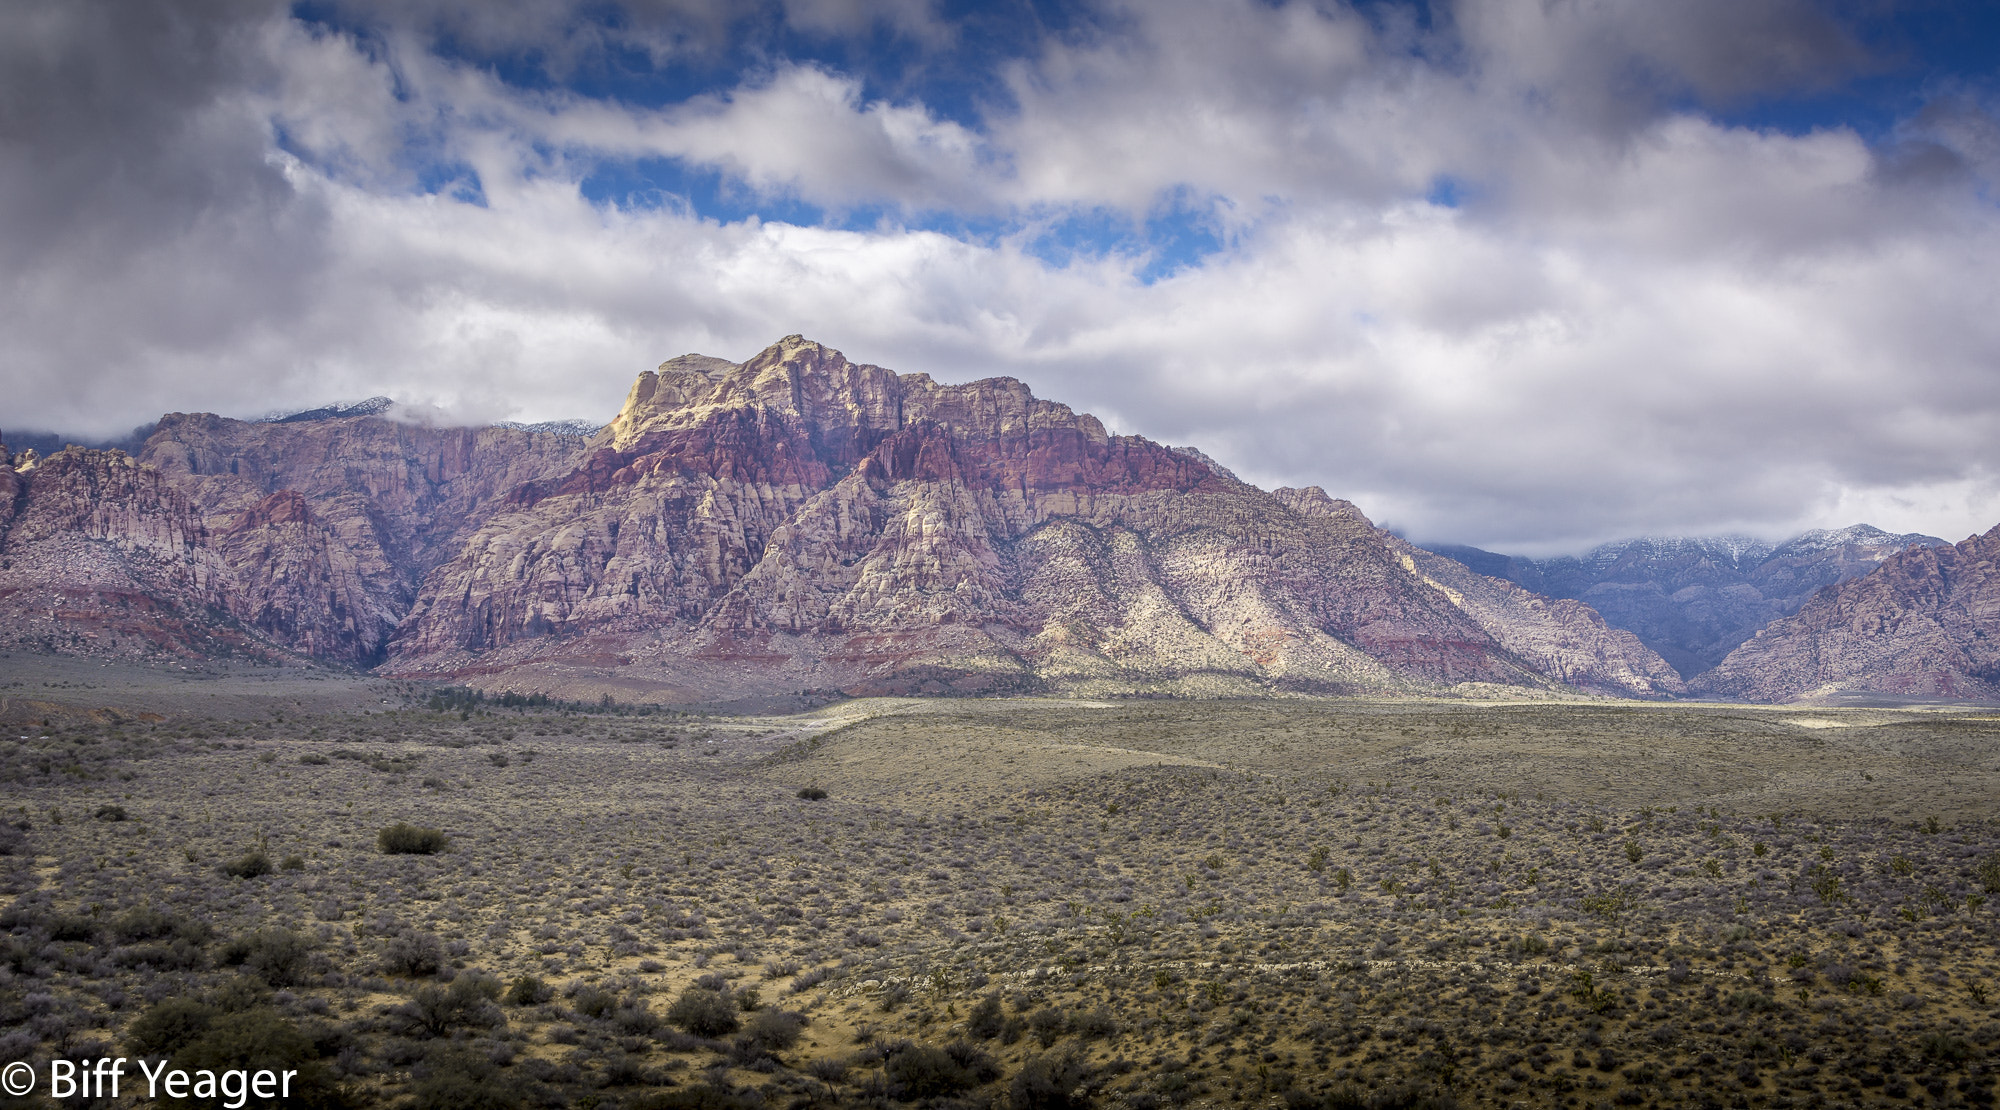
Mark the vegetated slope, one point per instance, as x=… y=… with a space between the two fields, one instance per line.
x=1926 y=623
x=796 y=521
x=1694 y=599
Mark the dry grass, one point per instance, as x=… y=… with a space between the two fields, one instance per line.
x=1224 y=903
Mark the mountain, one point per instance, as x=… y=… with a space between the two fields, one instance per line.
x=1924 y=624
x=1694 y=600
x=795 y=521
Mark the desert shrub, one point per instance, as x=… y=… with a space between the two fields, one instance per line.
x=1987 y=872
x=72 y=927
x=1094 y=1023
x=405 y=839
x=169 y=1025
x=985 y=1021
x=918 y=1071
x=250 y=865
x=528 y=991
x=177 y=956
x=278 y=956
x=1393 y=1097
x=811 y=793
x=593 y=1002
x=110 y=813
x=412 y=953
x=701 y=1096
x=434 y=1010
x=452 y=1079
x=294 y=862
x=142 y=923
x=1048 y=1025
x=1052 y=1081
x=704 y=1012
x=635 y=1017
x=260 y=1039
x=1944 y=1049
x=767 y=1032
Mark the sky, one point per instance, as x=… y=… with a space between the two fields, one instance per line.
x=1525 y=274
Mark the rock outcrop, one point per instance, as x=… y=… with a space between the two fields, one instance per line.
x=799 y=521
x=1694 y=599
x=1924 y=624
x=796 y=521
x=100 y=554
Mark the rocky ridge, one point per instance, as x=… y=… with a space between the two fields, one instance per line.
x=1924 y=624
x=795 y=521
x=1695 y=599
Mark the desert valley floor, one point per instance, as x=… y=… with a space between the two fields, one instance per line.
x=1026 y=903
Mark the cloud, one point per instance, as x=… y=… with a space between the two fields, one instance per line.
x=1623 y=315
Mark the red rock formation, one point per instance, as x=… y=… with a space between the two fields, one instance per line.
x=103 y=556
x=794 y=521
x=799 y=521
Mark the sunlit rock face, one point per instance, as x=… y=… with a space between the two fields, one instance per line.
x=801 y=522
x=1924 y=624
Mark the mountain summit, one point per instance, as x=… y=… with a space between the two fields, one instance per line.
x=795 y=521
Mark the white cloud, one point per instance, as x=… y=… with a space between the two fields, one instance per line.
x=1640 y=321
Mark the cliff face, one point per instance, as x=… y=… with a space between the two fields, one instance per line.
x=99 y=554
x=1926 y=623
x=329 y=526
x=796 y=521
x=1694 y=600
x=799 y=521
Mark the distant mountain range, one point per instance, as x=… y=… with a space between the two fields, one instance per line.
x=801 y=522
x=792 y=522
x=1694 y=600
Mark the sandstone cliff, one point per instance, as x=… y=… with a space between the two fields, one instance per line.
x=800 y=521
x=795 y=521
x=1926 y=623
x=99 y=554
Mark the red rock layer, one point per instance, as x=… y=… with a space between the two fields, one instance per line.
x=796 y=521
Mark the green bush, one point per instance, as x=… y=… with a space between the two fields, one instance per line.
x=252 y=864
x=985 y=1021
x=919 y=1071
x=434 y=1011
x=412 y=953
x=528 y=991
x=261 y=1039
x=169 y=1026
x=594 y=1002
x=280 y=957
x=1987 y=872
x=704 y=1012
x=1052 y=1081
x=405 y=839
x=457 y=1080
x=772 y=1031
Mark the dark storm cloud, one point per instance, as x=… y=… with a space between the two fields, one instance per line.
x=142 y=219
x=1507 y=275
